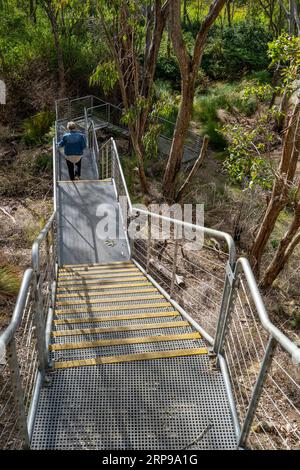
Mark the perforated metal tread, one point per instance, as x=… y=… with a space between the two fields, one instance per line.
x=160 y=404
x=138 y=404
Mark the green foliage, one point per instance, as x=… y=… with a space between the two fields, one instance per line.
x=105 y=75
x=285 y=51
x=9 y=281
x=43 y=163
x=164 y=108
x=167 y=69
x=222 y=97
x=274 y=243
x=246 y=162
x=32 y=230
x=235 y=51
x=37 y=127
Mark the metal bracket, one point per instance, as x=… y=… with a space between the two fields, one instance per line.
x=230 y=275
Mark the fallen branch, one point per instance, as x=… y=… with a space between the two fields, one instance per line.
x=194 y=170
x=8 y=214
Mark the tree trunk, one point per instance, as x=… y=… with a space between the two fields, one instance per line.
x=279 y=198
x=228 y=3
x=275 y=206
x=283 y=252
x=59 y=53
x=177 y=147
x=189 y=67
x=139 y=154
x=194 y=170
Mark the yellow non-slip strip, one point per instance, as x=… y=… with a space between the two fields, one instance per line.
x=116 y=329
x=112 y=308
x=132 y=316
x=130 y=358
x=120 y=341
x=84 y=276
x=107 y=301
x=71 y=274
x=108 y=279
x=97 y=288
x=87 y=295
x=113 y=263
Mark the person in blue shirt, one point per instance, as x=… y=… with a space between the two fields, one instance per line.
x=74 y=144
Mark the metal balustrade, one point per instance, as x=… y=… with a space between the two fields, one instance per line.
x=107 y=115
x=23 y=344
x=212 y=288
x=219 y=291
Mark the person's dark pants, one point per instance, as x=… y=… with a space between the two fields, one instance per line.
x=77 y=171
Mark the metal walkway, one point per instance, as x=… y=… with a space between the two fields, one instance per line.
x=129 y=372
x=117 y=345
x=78 y=217
x=119 y=341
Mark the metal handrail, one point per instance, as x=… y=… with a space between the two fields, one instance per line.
x=243 y=267
x=11 y=329
x=235 y=270
x=31 y=301
x=37 y=243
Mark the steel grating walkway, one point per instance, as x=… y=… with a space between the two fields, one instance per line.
x=129 y=372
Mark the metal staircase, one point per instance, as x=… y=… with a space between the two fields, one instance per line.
x=138 y=343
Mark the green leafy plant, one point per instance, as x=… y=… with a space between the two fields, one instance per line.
x=37 y=127
x=9 y=281
x=246 y=162
x=105 y=75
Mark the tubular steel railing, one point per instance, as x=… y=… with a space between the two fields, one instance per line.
x=90 y=108
x=203 y=279
x=212 y=288
x=23 y=344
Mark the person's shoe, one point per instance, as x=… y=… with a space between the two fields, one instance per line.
x=77 y=177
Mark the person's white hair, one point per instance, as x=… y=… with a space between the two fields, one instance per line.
x=71 y=126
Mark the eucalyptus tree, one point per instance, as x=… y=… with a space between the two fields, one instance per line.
x=189 y=66
x=132 y=32
x=63 y=16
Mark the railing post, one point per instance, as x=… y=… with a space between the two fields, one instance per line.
x=107 y=158
x=173 y=280
x=86 y=126
x=257 y=391
x=226 y=305
x=130 y=239
x=102 y=163
x=39 y=324
x=149 y=243
x=15 y=376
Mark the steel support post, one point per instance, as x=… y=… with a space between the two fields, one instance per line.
x=257 y=391
x=173 y=280
x=39 y=324
x=15 y=375
x=149 y=243
x=227 y=301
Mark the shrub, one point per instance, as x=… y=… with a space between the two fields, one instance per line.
x=226 y=97
x=37 y=127
x=236 y=50
x=43 y=163
x=9 y=281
